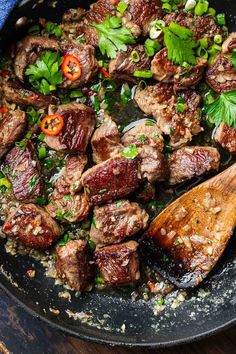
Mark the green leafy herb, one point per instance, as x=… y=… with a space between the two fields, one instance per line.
x=122 y=6
x=53 y=29
x=46 y=73
x=151 y=47
x=99 y=280
x=160 y=301
x=233 y=58
x=94 y=222
x=32 y=183
x=125 y=93
x=33 y=116
x=92 y=245
x=149 y=123
x=130 y=152
x=180 y=44
x=41 y=200
x=42 y=152
x=64 y=240
x=143 y=138
x=223 y=109
x=112 y=36
x=21 y=144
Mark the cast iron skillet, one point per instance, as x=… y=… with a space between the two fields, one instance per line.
x=209 y=309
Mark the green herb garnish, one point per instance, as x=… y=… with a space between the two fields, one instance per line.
x=64 y=240
x=223 y=109
x=130 y=152
x=151 y=47
x=32 y=183
x=53 y=29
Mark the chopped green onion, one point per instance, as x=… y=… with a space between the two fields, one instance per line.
x=186 y=65
x=202 y=52
x=180 y=107
x=144 y=74
x=190 y=4
x=211 y=11
x=42 y=152
x=130 y=152
x=203 y=42
x=125 y=93
x=41 y=136
x=218 y=39
x=151 y=47
x=220 y=19
x=99 y=280
x=142 y=85
x=4 y=182
x=160 y=301
x=167 y=7
x=76 y=94
x=122 y=6
x=135 y=56
x=201 y=7
x=21 y=144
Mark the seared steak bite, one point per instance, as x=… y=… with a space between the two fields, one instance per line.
x=33 y=226
x=153 y=165
x=200 y=25
x=68 y=207
x=118 y=264
x=29 y=49
x=112 y=223
x=12 y=127
x=72 y=15
x=221 y=74
x=74 y=264
x=192 y=161
x=14 y=92
x=161 y=102
x=139 y=14
x=111 y=179
x=23 y=171
x=144 y=132
x=226 y=137
x=88 y=63
x=165 y=71
x=69 y=180
x=106 y=141
x=79 y=122
x=123 y=67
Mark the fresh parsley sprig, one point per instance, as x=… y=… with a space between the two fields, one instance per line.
x=223 y=109
x=180 y=44
x=112 y=36
x=46 y=73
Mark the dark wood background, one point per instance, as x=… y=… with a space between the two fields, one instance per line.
x=20 y=333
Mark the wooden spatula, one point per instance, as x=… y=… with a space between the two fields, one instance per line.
x=191 y=233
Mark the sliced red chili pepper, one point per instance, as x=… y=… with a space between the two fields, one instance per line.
x=52 y=125
x=3 y=110
x=8 y=226
x=104 y=72
x=5 y=73
x=71 y=67
x=116 y=2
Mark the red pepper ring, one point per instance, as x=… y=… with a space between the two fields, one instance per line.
x=71 y=67
x=52 y=125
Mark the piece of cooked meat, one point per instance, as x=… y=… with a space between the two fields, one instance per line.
x=29 y=49
x=12 y=127
x=79 y=122
x=200 y=25
x=123 y=67
x=106 y=141
x=88 y=63
x=74 y=264
x=69 y=180
x=72 y=15
x=192 y=161
x=111 y=179
x=118 y=264
x=33 y=226
x=161 y=102
x=226 y=137
x=68 y=207
x=23 y=171
x=139 y=14
x=165 y=71
x=221 y=74
x=113 y=222
x=14 y=92
x=153 y=164
x=144 y=132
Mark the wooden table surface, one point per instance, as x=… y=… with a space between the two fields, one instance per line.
x=22 y=334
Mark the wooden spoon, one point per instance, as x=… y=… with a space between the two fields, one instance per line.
x=194 y=230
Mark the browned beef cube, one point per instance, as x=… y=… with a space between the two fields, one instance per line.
x=110 y=180
x=153 y=164
x=226 y=136
x=68 y=207
x=192 y=161
x=146 y=192
x=113 y=222
x=79 y=122
x=74 y=264
x=221 y=74
x=123 y=67
x=33 y=226
x=23 y=171
x=106 y=141
x=69 y=180
x=118 y=264
x=12 y=126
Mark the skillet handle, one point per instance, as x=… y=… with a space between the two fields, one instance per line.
x=6 y=7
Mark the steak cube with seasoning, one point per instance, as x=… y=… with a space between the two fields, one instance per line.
x=12 y=127
x=111 y=179
x=118 y=264
x=153 y=164
x=79 y=122
x=74 y=264
x=113 y=222
x=192 y=161
x=226 y=137
x=33 y=226
x=23 y=171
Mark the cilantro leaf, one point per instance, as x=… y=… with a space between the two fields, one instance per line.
x=223 y=109
x=46 y=73
x=179 y=43
x=130 y=152
x=112 y=36
x=233 y=58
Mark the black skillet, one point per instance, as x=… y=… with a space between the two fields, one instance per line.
x=208 y=310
